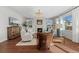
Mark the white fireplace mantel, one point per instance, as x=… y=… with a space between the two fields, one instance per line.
x=43 y=25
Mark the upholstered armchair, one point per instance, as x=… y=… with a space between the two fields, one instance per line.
x=26 y=36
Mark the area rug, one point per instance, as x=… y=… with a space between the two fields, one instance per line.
x=27 y=43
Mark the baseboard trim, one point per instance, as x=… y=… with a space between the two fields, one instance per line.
x=66 y=38
x=2 y=41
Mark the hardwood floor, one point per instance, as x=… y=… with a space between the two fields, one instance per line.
x=72 y=45
x=68 y=43
x=9 y=46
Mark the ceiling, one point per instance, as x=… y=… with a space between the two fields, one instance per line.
x=48 y=11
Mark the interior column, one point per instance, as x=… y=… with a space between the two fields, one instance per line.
x=75 y=25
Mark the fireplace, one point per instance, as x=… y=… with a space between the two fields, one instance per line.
x=39 y=29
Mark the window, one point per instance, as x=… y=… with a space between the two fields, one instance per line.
x=68 y=22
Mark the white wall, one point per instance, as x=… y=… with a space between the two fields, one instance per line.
x=5 y=13
x=67 y=34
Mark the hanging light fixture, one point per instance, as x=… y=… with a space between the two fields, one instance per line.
x=39 y=14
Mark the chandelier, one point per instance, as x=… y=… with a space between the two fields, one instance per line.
x=39 y=14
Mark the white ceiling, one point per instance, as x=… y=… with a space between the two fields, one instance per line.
x=48 y=11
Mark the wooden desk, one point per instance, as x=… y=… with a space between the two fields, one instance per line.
x=44 y=40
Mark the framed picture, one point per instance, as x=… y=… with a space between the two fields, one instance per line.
x=13 y=21
x=39 y=22
x=30 y=23
x=27 y=23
